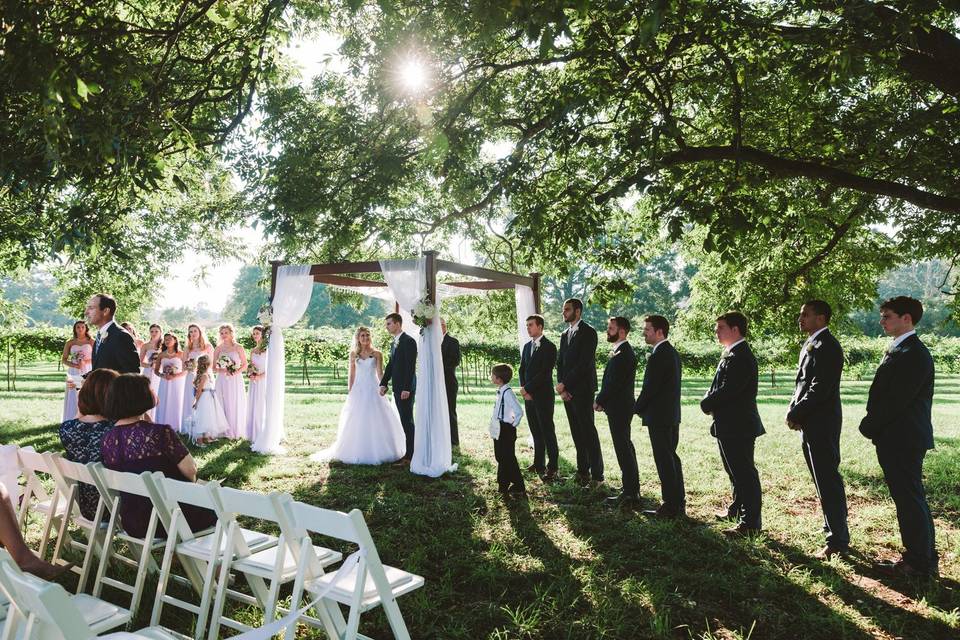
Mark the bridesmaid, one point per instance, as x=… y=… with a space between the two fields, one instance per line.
x=229 y=386
x=133 y=332
x=197 y=346
x=78 y=358
x=257 y=395
x=169 y=368
x=148 y=355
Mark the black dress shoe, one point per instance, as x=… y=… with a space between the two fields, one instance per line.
x=902 y=568
x=582 y=479
x=666 y=513
x=741 y=531
x=623 y=500
x=533 y=469
x=828 y=552
x=550 y=476
x=726 y=515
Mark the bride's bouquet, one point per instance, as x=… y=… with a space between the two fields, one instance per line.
x=424 y=312
x=226 y=362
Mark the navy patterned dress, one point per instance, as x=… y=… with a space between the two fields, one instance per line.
x=82 y=442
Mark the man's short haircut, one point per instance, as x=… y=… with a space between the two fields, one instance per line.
x=621 y=322
x=129 y=395
x=502 y=371
x=107 y=302
x=396 y=317
x=901 y=305
x=576 y=303
x=820 y=308
x=92 y=397
x=659 y=323
x=735 y=319
x=536 y=318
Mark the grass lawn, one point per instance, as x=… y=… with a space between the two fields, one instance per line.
x=561 y=565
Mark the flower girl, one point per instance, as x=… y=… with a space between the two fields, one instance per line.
x=208 y=421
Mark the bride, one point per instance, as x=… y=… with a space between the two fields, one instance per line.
x=369 y=430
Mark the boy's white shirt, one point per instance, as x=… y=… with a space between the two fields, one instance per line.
x=512 y=411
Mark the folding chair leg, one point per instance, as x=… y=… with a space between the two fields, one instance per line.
x=222 y=587
x=93 y=543
x=143 y=568
x=54 y=503
x=107 y=552
x=395 y=618
x=207 y=593
x=165 y=570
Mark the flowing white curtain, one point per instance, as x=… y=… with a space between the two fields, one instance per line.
x=526 y=307
x=432 y=455
x=290 y=300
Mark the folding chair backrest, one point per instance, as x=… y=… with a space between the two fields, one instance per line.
x=333 y=524
x=74 y=471
x=112 y=483
x=32 y=461
x=248 y=503
x=50 y=612
x=171 y=493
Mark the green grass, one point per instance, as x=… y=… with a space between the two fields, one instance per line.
x=561 y=565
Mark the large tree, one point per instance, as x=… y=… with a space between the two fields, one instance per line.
x=794 y=125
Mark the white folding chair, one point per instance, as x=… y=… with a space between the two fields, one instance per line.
x=41 y=609
x=362 y=587
x=69 y=476
x=209 y=550
x=277 y=564
x=111 y=484
x=52 y=506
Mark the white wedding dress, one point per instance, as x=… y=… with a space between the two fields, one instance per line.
x=369 y=430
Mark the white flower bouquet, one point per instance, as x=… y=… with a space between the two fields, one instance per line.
x=226 y=362
x=75 y=358
x=191 y=365
x=424 y=312
x=253 y=371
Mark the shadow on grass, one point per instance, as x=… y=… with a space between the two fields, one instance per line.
x=941 y=481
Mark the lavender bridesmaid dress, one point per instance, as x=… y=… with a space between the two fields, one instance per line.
x=257 y=397
x=70 y=398
x=233 y=396
x=170 y=399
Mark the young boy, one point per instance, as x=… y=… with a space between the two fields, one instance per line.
x=503 y=428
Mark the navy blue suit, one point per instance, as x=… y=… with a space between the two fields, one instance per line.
x=577 y=370
x=816 y=408
x=658 y=405
x=536 y=378
x=732 y=401
x=898 y=422
x=616 y=399
x=117 y=351
x=402 y=370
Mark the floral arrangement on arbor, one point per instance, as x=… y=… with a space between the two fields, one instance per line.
x=424 y=311
x=265 y=316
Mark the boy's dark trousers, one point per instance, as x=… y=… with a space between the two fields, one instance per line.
x=504 y=450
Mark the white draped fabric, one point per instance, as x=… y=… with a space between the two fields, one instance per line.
x=526 y=307
x=290 y=300
x=432 y=454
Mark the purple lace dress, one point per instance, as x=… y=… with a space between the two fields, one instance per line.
x=145 y=446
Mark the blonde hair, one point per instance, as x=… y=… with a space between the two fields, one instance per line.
x=355 y=347
x=228 y=327
x=201 y=342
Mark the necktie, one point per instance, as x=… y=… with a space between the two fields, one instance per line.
x=393 y=348
x=96 y=344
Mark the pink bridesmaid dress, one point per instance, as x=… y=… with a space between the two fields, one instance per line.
x=70 y=398
x=188 y=391
x=170 y=399
x=233 y=397
x=257 y=397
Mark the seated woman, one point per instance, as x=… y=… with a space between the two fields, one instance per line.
x=136 y=445
x=12 y=540
x=82 y=437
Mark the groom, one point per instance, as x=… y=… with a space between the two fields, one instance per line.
x=402 y=369
x=113 y=348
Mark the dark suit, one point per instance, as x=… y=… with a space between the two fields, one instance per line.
x=732 y=401
x=450 y=353
x=536 y=378
x=898 y=422
x=616 y=399
x=659 y=406
x=116 y=351
x=577 y=370
x=402 y=370
x=816 y=408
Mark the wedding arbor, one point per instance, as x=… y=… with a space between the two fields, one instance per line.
x=405 y=283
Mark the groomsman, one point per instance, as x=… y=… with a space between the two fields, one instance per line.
x=113 y=347
x=450 y=354
x=576 y=384
x=898 y=422
x=816 y=412
x=402 y=370
x=659 y=407
x=732 y=401
x=616 y=400
x=537 y=361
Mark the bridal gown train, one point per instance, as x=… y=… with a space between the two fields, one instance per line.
x=369 y=430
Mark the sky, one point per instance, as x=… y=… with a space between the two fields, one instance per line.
x=181 y=288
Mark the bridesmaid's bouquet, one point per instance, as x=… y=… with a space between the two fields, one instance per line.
x=169 y=370
x=75 y=358
x=226 y=362
x=253 y=371
x=153 y=357
x=191 y=365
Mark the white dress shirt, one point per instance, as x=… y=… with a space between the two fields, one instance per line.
x=573 y=329
x=899 y=339
x=507 y=409
x=616 y=346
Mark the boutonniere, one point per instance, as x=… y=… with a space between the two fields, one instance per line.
x=646 y=355
x=813 y=345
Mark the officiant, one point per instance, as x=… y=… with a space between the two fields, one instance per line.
x=450 y=353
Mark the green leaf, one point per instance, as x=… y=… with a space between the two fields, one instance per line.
x=82 y=90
